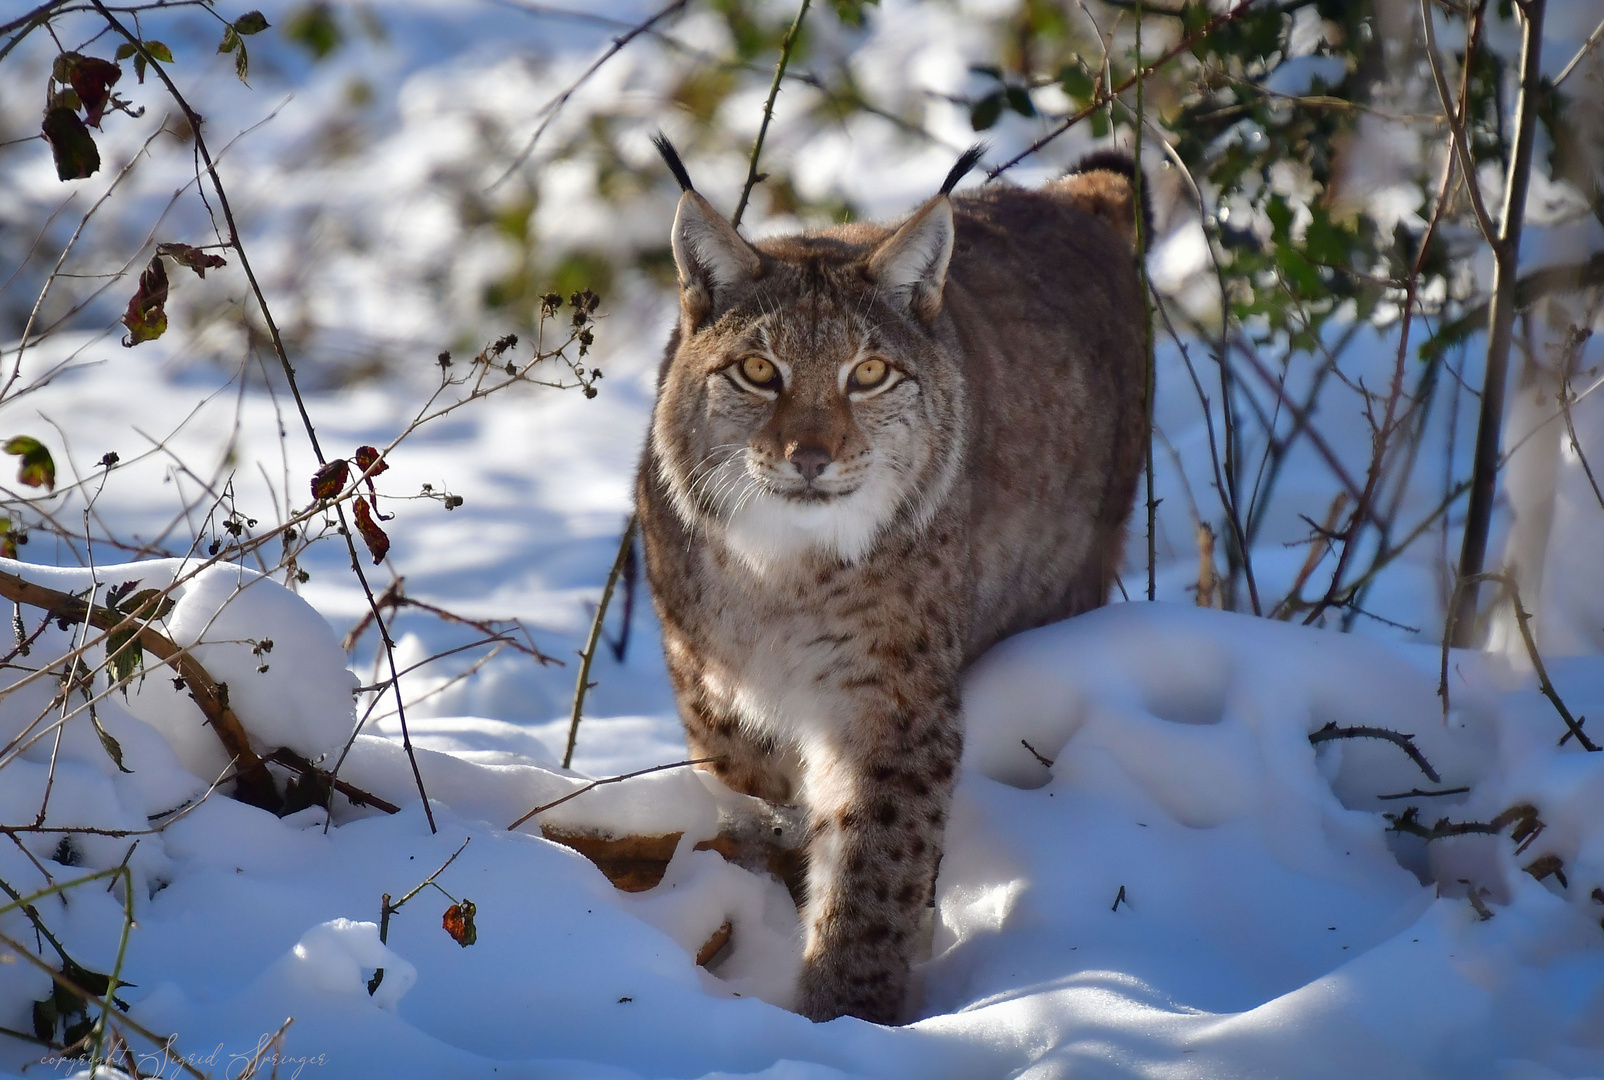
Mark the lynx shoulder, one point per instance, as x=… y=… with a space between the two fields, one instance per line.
x=875 y=452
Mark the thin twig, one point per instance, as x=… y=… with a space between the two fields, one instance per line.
x=577 y=792
x=1150 y=381
x=1523 y=619
x=550 y=110
x=1587 y=46
x=752 y=175
x=1100 y=100
x=1455 y=115
x=582 y=685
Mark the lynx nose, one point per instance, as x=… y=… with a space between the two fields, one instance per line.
x=810 y=461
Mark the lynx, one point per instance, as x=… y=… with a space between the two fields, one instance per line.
x=874 y=453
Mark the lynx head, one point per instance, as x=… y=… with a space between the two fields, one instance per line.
x=809 y=404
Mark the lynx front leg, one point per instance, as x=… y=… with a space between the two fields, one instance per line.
x=877 y=811
x=745 y=764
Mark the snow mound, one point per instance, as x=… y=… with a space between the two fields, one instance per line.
x=280 y=659
x=1190 y=889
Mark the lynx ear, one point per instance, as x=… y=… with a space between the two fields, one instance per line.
x=912 y=264
x=709 y=254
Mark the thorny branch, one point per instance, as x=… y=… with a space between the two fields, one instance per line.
x=753 y=177
x=1406 y=743
x=582 y=684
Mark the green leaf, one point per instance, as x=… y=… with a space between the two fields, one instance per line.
x=1019 y=101
x=233 y=43
x=146 y=317
x=37 y=468
x=850 y=12
x=113 y=748
x=252 y=22
x=984 y=113
x=71 y=144
x=44 y=1018
x=1077 y=84
x=125 y=50
x=159 y=51
x=315 y=28
x=146 y=598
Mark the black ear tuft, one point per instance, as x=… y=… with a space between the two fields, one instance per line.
x=960 y=168
x=1118 y=161
x=671 y=159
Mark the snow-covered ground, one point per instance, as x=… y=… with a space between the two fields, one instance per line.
x=1190 y=889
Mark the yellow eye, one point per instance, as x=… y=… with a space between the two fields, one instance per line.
x=869 y=374
x=760 y=373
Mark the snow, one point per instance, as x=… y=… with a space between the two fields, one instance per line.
x=1268 y=925
x=1190 y=889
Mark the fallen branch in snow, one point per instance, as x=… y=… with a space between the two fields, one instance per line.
x=1048 y=762
x=253 y=783
x=325 y=780
x=1406 y=743
x=1523 y=816
x=1416 y=793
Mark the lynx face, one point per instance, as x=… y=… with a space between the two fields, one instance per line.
x=812 y=427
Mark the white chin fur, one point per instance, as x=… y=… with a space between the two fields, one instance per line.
x=771 y=533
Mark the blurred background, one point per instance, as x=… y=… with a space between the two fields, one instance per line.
x=413 y=177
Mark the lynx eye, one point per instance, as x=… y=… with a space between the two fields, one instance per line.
x=868 y=374
x=760 y=373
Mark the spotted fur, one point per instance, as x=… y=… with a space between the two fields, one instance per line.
x=826 y=561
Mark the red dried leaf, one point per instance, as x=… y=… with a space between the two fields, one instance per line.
x=93 y=79
x=365 y=458
x=146 y=317
x=373 y=536
x=458 y=922
x=192 y=257
x=71 y=144
x=329 y=481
